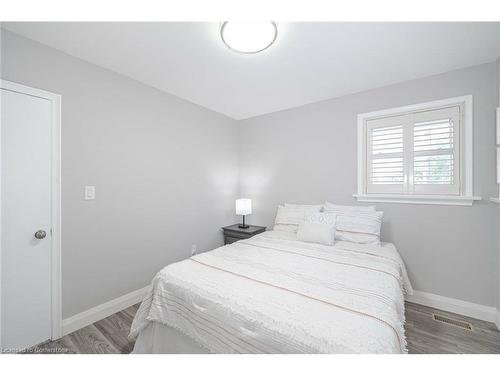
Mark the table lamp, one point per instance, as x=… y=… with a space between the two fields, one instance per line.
x=243 y=207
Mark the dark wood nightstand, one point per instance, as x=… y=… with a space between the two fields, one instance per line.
x=232 y=233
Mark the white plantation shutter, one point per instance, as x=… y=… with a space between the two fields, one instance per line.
x=385 y=168
x=435 y=151
x=414 y=153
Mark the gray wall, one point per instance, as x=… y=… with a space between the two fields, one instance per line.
x=165 y=172
x=308 y=155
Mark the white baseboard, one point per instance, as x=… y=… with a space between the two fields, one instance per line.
x=473 y=310
x=83 y=319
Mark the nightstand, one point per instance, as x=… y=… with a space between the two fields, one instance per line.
x=232 y=233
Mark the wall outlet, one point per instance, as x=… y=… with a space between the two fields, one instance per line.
x=194 y=248
x=89 y=193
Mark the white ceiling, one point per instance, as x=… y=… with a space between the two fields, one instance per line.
x=309 y=61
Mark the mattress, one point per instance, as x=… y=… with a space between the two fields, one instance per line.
x=274 y=294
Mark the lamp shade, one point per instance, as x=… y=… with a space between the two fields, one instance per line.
x=243 y=206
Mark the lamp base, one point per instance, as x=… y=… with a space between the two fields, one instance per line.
x=243 y=225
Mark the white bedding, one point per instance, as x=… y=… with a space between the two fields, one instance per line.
x=274 y=294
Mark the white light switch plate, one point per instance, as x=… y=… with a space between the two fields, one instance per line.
x=89 y=193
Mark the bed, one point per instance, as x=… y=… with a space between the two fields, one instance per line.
x=274 y=294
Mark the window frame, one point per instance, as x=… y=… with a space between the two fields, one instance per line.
x=465 y=150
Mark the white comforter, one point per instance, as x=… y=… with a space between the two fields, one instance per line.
x=273 y=294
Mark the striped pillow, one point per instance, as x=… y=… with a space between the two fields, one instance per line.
x=357 y=226
x=350 y=208
x=314 y=207
x=288 y=218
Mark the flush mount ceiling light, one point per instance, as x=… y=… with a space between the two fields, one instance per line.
x=248 y=37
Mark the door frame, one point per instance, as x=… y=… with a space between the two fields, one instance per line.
x=55 y=263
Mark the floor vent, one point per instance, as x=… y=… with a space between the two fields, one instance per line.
x=454 y=322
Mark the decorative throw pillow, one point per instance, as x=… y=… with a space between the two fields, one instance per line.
x=318 y=228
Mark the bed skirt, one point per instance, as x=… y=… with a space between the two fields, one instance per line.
x=157 y=338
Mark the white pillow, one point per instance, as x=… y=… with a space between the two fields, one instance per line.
x=288 y=219
x=317 y=228
x=361 y=238
x=349 y=208
x=357 y=226
x=315 y=207
x=286 y=228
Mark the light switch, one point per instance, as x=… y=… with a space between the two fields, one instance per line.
x=89 y=192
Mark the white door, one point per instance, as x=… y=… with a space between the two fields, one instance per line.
x=26 y=214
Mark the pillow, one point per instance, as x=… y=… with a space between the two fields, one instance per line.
x=316 y=207
x=288 y=218
x=286 y=228
x=361 y=238
x=357 y=226
x=318 y=228
x=350 y=208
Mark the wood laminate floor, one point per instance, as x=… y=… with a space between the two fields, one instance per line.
x=424 y=335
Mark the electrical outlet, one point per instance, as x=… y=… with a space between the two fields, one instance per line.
x=194 y=248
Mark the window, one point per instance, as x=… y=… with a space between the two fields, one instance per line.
x=417 y=154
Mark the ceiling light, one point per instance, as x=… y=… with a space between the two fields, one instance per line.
x=248 y=37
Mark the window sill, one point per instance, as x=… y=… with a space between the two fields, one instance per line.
x=495 y=200
x=418 y=199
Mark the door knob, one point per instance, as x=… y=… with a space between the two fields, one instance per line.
x=40 y=234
